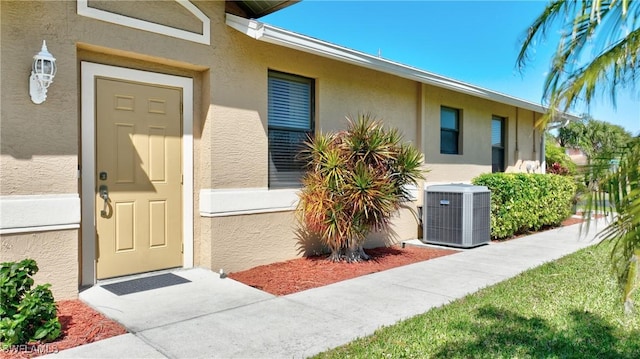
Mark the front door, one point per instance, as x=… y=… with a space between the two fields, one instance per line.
x=138 y=177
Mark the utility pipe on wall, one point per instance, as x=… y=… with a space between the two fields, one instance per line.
x=517 y=150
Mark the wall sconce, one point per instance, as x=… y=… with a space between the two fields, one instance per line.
x=42 y=73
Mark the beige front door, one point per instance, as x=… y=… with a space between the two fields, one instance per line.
x=138 y=176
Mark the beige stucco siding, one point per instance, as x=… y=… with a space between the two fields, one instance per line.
x=475 y=141
x=168 y=13
x=242 y=242
x=56 y=254
x=239 y=111
x=38 y=143
x=346 y=90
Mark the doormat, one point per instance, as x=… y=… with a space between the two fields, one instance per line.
x=146 y=283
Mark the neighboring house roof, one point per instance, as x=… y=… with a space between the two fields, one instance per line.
x=577 y=156
x=271 y=34
x=256 y=8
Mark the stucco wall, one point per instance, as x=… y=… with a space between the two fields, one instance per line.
x=41 y=142
x=242 y=242
x=38 y=143
x=56 y=254
x=238 y=126
x=475 y=141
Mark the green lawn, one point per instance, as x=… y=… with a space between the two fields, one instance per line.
x=570 y=308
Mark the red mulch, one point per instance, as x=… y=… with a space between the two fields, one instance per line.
x=571 y=220
x=80 y=323
x=310 y=272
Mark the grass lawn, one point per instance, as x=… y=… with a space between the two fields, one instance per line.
x=569 y=308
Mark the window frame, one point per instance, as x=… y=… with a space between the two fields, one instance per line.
x=501 y=147
x=456 y=131
x=273 y=181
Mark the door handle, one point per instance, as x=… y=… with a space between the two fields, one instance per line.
x=104 y=194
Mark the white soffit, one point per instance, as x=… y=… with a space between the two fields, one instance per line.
x=84 y=9
x=271 y=34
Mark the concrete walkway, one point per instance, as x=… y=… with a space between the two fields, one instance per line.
x=213 y=317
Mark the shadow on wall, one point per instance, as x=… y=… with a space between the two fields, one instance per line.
x=309 y=244
x=384 y=238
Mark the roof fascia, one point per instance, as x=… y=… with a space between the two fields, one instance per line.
x=278 y=36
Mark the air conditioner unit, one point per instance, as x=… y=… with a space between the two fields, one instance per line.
x=457 y=215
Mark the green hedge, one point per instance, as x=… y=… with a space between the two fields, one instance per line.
x=526 y=202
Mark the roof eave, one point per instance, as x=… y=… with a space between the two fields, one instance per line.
x=244 y=8
x=274 y=35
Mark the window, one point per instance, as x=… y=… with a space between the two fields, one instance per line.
x=290 y=117
x=449 y=131
x=497 y=144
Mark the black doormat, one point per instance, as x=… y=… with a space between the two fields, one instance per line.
x=146 y=283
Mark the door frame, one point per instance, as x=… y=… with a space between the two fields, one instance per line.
x=89 y=71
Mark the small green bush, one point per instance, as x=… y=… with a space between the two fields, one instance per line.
x=525 y=202
x=26 y=315
x=556 y=158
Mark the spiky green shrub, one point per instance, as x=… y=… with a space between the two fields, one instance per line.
x=524 y=202
x=356 y=180
x=26 y=314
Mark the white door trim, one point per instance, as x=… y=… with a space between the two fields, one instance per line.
x=89 y=71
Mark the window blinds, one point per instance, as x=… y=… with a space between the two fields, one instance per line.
x=290 y=116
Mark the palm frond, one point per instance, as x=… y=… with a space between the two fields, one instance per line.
x=607 y=27
x=619 y=191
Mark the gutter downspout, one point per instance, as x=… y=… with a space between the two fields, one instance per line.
x=517 y=150
x=543 y=149
x=251 y=28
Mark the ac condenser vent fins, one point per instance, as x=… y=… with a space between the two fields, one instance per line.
x=457 y=215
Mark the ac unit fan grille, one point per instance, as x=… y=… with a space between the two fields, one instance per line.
x=460 y=219
x=444 y=222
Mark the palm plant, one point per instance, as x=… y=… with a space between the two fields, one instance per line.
x=619 y=191
x=610 y=29
x=356 y=180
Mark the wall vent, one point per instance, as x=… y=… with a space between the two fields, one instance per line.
x=457 y=215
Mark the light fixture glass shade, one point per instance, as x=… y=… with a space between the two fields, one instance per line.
x=43 y=71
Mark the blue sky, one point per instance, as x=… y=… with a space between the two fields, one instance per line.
x=471 y=41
